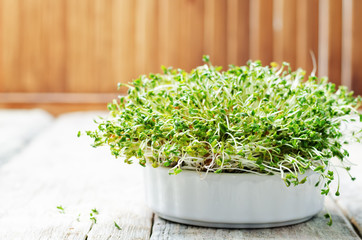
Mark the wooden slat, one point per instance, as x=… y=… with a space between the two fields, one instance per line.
x=330 y=39
x=237 y=31
x=80 y=47
x=146 y=18
x=191 y=33
x=103 y=20
x=215 y=31
x=307 y=34
x=52 y=55
x=347 y=9
x=169 y=32
x=10 y=51
x=261 y=30
x=30 y=46
x=123 y=42
x=58 y=168
x=313 y=229
x=356 y=71
x=284 y=18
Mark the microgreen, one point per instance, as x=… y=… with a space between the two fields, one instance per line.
x=93 y=214
x=253 y=118
x=117 y=226
x=329 y=217
x=61 y=209
x=95 y=211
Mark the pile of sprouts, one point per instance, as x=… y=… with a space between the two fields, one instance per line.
x=247 y=119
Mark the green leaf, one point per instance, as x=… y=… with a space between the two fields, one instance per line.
x=117 y=226
x=303 y=180
x=61 y=209
x=206 y=58
x=177 y=171
x=95 y=211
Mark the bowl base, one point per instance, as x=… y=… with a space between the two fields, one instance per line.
x=234 y=225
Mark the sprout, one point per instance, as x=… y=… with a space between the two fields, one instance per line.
x=253 y=118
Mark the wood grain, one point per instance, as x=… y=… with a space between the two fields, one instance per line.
x=89 y=46
x=307 y=34
x=215 y=31
x=30 y=45
x=52 y=46
x=351 y=48
x=57 y=168
x=10 y=42
x=237 y=31
x=313 y=229
x=261 y=30
x=80 y=47
x=123 y=13
x=146 y=18
x=169 y=32
x=284 y=20
x=330 y=39
x=192 y=33
x=103 y=21
x=347 y=9
x=356 y=74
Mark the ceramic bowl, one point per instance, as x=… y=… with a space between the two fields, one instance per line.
x=230 y=200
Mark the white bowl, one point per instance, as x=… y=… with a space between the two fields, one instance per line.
x=230 y=200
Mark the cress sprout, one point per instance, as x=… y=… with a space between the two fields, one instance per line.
x=253 y=118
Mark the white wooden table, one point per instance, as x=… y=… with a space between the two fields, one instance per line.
x=44 y=165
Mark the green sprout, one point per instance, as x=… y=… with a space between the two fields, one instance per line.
x=253 y=119
x=93 y=214
x=329 y=217
x=117 y=226
x=61 y=209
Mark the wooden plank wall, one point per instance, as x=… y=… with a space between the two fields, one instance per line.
x=88 y=46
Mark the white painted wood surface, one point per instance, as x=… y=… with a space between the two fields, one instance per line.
x=57 y=168
x=350 y=200
x=17 y=127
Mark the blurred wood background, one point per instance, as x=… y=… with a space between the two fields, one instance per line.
x=70 y=54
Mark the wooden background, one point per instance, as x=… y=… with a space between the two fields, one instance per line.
x=69 y=54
